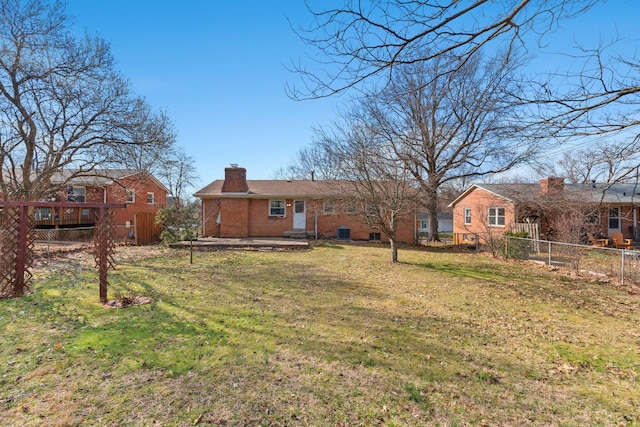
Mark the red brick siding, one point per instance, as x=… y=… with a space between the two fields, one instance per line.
x=260 y=224
x=480 y=201
x=116 y=193
x=209 y=216
x=235 y=180
x=234 y=218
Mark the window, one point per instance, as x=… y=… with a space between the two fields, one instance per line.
x=496 y=216
x=131 y=196
x=614 y=218
x=276 y=207
x=150 y=199
x=424 y=225
x=42 y=214
x=76 y=194
x=592 y=217
x=374 y=236
x=327 y=207
x=350 y=207
x=372 y=209
x=467 y=216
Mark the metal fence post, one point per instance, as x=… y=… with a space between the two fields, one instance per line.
x=506 y=247
x=549 y=252
x=622 y=268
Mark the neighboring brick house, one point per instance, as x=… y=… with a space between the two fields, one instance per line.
x=140 y=191
x=237 y=207
x=488 y=209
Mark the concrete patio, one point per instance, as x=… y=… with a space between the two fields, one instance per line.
x=248 y=243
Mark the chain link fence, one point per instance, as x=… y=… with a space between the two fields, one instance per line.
x=622 y=264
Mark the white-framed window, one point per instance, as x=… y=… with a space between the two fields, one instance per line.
x=328 y=207
x=467 y=216
x=80 y=194
x=424 y=224
x=276 y=207
x=495 y=216
x=151 y=198
x=350 y=207
x=131 y=196
x=614 y=218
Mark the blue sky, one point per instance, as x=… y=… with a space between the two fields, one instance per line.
x=218 y=69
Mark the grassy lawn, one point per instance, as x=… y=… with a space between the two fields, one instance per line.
x=337 y=336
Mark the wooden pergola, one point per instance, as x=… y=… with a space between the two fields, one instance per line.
x=16 y=250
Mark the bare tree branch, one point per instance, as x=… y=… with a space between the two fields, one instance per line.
x=361 y=41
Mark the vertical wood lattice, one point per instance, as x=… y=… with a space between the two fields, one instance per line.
x=104 y=245
x=16 y=250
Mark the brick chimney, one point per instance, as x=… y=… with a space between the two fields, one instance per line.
x=235 y=180
x=551 y=185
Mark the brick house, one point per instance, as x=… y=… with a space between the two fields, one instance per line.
x=142 y=193
x=488 y=209
x=237 y=207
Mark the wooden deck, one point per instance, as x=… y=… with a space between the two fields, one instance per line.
x=52 y=217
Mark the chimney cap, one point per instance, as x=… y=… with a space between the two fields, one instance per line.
x=234 y=165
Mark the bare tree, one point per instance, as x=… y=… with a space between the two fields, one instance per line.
x=179 y=174
x=376 y=178
x=602 y=161
x=448 y=127
x=360 y=41
x=311 y=162
x=63 y=105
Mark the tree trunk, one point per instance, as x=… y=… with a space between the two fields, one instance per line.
x=394 y=250
x=431 y=205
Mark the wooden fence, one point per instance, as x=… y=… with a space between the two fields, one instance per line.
x=147 y=230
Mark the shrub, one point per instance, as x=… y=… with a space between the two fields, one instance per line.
x=517 y=248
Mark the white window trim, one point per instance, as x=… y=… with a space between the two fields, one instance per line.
x=617 y=217
x=284 y=208
x=153 y=198
x=496 y=216
x=328 y=207
x=75 y=193
x=128 y=192
x=465 y=216
x=351 y=207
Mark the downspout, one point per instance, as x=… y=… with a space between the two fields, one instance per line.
x=635 y=222
x=416 y=236
x=315 y=220
x=202 y=219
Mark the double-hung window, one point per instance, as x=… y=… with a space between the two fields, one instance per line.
x=467 y=216
x=614 y=218
x=327 y=207
x=496 y=216
x=130 y=196
x=276 y=207
x=151 y=198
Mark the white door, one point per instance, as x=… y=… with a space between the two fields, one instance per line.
x=299 y=215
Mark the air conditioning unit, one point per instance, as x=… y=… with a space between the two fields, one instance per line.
x=344 y=233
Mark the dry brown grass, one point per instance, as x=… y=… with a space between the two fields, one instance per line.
x=336 y=337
